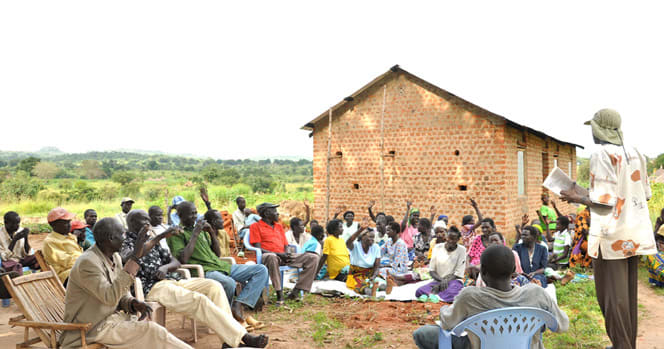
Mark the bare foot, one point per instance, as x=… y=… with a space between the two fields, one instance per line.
x=374 y=289
x=390 y=284
x=568 y=277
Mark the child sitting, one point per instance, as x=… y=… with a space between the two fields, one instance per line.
x=655 y=263
x=313 y=245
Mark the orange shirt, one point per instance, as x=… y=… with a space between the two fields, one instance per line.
x=271 y=238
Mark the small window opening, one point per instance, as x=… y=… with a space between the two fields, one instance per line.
x=356 y=186
x=463 y=187
x=339 y=154
x=456 y=152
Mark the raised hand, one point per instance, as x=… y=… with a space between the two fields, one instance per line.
x=372 y=203
x=524 y=220
x=204 y=194
x=140 y=241
x=304 y=202
x=473 y=202
x=171 y=231
x=432 y=210
x=364 y=223
x=409 y=203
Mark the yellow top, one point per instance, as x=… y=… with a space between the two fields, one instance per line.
x=337 y=255
x=60 y=252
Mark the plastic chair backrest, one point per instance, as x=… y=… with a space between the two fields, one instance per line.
x=508 y=328
x=248 y=247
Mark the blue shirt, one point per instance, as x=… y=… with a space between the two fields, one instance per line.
x=364 y=260
x=89 y=236
x=312 y=245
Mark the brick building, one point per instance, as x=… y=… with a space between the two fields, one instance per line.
x=400 y=137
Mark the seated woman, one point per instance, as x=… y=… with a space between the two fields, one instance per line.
x=440 y=234
x=655 y=263
x=396 y=252
x=335 y=253
x=479 y=244
x=497 y=238
x=447 y=267
x=532 y=255
x=580 y=257
x=313 y=245
x=364 y=262
x=421 y=239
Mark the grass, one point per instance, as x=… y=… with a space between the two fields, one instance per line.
x=324 y=328
x=586 y=329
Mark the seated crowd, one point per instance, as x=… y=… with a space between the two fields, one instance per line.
x=97 y=262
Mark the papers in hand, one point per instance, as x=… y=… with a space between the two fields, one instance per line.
x=557 y=181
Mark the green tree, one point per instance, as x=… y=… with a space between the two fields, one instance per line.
x=91 y=169
x=45 y=170
x=20 y=185
x=583 y=171
x=123 y=177
x=27 y=164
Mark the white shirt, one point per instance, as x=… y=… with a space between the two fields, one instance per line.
x=349 y=231
x=238 y=220
x=445 y=263
x=304 y=237
x=158 y=230
x=624 y=229
x=17 y=253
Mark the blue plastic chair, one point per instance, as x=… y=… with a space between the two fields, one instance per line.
x=505 y=328
x=259 y=258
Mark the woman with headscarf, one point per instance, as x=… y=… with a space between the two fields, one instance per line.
x=468 y=225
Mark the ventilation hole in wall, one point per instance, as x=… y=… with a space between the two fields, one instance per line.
x=456 y=152
x=339 y=154
x=356 y=186
x=462 y=187
x=392 y=152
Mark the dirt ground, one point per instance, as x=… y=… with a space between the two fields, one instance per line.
x=314 y=323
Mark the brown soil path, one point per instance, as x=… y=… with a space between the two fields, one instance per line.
x=651 y=318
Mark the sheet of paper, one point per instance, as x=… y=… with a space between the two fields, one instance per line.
x=557 y=181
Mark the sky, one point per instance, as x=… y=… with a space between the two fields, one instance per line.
x=238 y=79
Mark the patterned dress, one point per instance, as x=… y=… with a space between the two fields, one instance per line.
x=579 y=256
x=397 y=253
x=150 y=263
x=655 y=265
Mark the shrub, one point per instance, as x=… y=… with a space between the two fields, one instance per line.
x=261 y=184
x=131 y=189
x=123 y=177
x=109 y=191
x=21 y=185
x=51 y=195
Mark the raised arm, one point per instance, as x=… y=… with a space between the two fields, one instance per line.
x=433 y=214
x=205 y=198
x=371 y=205
x=555 y=208
x=479 y=214
x=545 y=226
x=340 y=209
x=363 y=226
x=168 y=214
x=307 y=218
x=404 y=222
x=214 y=240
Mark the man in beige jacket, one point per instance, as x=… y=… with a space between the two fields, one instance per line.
x=98 y=293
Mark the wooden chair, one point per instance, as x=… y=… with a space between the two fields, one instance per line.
x=41 y=298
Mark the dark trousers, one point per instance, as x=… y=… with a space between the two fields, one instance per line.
x=616 y=287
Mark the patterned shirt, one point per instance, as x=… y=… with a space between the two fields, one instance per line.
x=398 y=255
x=624 y=229
x=150 y=263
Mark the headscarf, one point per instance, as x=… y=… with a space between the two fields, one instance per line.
x=412 y=210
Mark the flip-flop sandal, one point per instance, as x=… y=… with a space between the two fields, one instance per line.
x=257 y=325
x=246 y=326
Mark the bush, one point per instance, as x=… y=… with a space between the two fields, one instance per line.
x=51 y=195
x=264 y=185
x=21 y=185
x=82 y=191
x=132 y=189
x=154 y=193
x=123 y=177
x=109 y=191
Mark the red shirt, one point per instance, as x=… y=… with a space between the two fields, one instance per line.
x=271 y=238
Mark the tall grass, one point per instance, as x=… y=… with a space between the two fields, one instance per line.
x=152 y=192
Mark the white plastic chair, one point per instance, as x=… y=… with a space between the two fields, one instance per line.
x=504 y=328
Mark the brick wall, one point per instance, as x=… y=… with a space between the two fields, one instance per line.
x=438 y=147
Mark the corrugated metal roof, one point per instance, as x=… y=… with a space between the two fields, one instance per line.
x=396 y=71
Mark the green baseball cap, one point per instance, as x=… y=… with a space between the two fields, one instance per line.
x=606 y=126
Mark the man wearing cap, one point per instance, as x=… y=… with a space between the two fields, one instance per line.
x=126 y=205
x=269 y=236
x=621 y=227
x=61 y=249
x=78 y=230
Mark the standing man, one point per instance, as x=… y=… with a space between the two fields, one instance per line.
x=269 y=236
x=621 y=227
x=90 y=216
x=126 y=205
